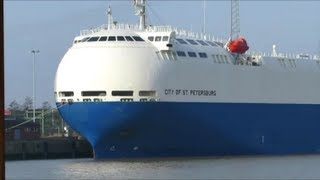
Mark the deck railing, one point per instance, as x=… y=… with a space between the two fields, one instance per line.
x=190 y=34
x=135 y=27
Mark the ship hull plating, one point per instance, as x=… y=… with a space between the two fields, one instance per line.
x=158 y=129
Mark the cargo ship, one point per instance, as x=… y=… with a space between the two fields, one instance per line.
x=159 y=91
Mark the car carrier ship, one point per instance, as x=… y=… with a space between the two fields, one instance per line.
x=156 y=91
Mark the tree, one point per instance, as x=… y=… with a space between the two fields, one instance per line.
x=14 y=106
x=46 y=105
x=27 y=104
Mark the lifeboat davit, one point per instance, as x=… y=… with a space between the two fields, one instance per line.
x=238 y=45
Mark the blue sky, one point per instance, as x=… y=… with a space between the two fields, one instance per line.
x=50 y=26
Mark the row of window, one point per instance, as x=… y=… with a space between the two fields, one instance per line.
x=290 y=63
x=196 y=42
x=191 y=54
x=158 y=38
x=100 y=100
x=104 y=93
x=110 y=38
x=171 y=55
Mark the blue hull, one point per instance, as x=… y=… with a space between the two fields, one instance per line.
x=155 y=129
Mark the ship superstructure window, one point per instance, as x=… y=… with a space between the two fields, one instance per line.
x=87 y=100
x=97 y=100
x=318 y=62
x=192 y=54
x=103 y=38
x=158 y=38
x=150 y=38
x=165 y=38
x=66 y=94
x=211 y=43
x=93 y=93
x=120 y=38
x=92 y=39
x=218 y=58
x=203 y=55
x=126 y=100
x=226 y=59
x=293 y=63
x=85 y=39
x=222 y=59
x=137 y=38
x=181 y=41
x=122 y=93
x=181 y=53
x=202 y=43
x=128 y=38
x=147 y=93
x=192 y=42
x=112 y=38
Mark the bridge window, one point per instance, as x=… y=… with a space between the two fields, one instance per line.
x=128 y=38
x=211 y=43
x=181 y=53
x=93 y=93
x=181 y=41
x=103 y=38
x=120 y=38
x=112 y=38
x=192 y=42
x=165 y=38
x=150 y=38
x=147 y=93
x=137 y=38
x=203 y=55
x=85 y=39
x=92 y=39
x=158 y=38
x=192 y=54
x=122 y=93
x=66 y=94
x=202 y=43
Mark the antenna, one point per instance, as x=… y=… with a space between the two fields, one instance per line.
x=204 y=17
x=110 y=18
x=235 y=19
x=140 y=9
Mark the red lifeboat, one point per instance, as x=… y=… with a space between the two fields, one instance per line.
x=238 y=45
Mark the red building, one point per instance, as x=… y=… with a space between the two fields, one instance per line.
x=19 y=130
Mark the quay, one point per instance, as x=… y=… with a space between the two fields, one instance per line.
x=48 y=148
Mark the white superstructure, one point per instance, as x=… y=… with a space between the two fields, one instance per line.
x=121 y=62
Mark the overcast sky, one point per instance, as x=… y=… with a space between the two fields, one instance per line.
x=50 y=26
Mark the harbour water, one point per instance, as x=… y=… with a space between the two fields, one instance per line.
x=245 y=167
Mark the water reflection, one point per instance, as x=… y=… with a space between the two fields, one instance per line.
x=280 y=167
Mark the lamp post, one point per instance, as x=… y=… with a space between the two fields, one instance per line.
x=34 y=52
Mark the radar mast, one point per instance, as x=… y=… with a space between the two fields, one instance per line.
x=235 y=19
x=140 y=9
x=110 y=18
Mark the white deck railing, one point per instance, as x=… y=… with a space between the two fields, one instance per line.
x=285 y=55
x=189 y=34
x=179 y=32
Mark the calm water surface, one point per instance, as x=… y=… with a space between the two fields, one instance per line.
x=280 y=167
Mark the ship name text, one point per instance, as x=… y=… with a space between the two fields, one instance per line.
x=188 y=92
